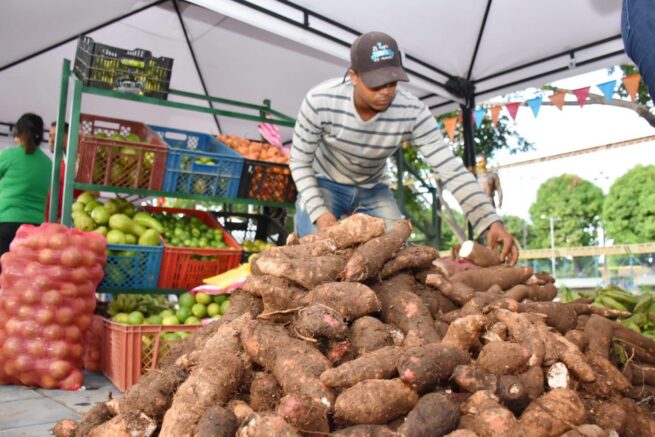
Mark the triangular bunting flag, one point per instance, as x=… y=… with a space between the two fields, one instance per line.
x=631 y=84
x=478 y=115
x=450 y=123
x=513 y=108
x=440 y=124
x=607 y=88
x=495 y=113
x=535 y=104
x=557 y=99
x=581 y=94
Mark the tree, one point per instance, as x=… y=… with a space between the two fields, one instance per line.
x=629 y=209
x=519 y=228
x=575 y=205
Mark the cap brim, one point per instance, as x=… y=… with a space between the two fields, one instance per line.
x=383 y=76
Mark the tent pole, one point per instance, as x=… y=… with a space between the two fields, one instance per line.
x=195 y=62
x=469 y=144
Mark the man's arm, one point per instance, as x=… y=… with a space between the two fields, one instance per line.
x=306 y=137
x=498 y=190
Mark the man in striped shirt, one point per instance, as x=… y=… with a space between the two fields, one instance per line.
x=346 y=131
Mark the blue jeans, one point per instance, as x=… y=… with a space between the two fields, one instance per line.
x=638 y=30
x=343 y=200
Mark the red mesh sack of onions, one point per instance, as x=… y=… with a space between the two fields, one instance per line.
x=49 y=278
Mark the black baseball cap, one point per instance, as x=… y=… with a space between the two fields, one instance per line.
x=376 y=58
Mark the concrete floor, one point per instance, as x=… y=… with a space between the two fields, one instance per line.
x=32 y=412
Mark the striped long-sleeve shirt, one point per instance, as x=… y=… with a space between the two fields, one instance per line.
x=332 y=141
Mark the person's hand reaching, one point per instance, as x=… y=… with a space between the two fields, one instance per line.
x=325 y=220
x=499 y=235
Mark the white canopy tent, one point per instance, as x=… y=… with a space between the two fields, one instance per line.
x=277 y=49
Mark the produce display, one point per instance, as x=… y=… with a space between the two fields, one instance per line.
x=116 y=219
x=122 y=167
x=49 y=278
x=254 y=150
x=348 y=331
x=256 y=246
x=188 y=231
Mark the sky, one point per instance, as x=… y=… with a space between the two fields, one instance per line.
x=573 y=128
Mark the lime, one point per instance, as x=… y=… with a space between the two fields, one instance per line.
x=135 y=318
x=213 y=309
x=170 y=320
x=183 y=313
x=121 y=318
x=186 y=300
x=155 y=319
x=166 y=313
x=220 y=298
x=203 y=298
x=170 y=336
x=192 y=320
x=224 y=306
x=199 y=310
x=183 y=334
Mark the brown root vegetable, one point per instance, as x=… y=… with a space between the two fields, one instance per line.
x=278 y=295
x=266 y=425
x=525 y=333
x=351 y=299
x=217 y=421
x=339 y=352
x=641 y=374
x=464 y=332
x=365 y=431
x=379 y=364
x=457 y=292
x=533 y=381
x=368 y=334
x=610 y=415
x=609 y=379
x=558 y=315
x=471 y=379
x=494 y=422
x=533 y=292
x=584 y=308
x=483 y=279
x=309 y=273
x=375 y=401
x=240 y=409
x=304 y=413
x=452 y=266
x=265 y=392
x=434 y=300
x=586 y=430
x=461 y=433
x=578 y=338
x=352 y=230
x=97 y=415
x=369 y=258
x=412 y=257
x=126 y=425
x=639 y=422
x=513 y=393
x=319 y=320
x=640 y=346
x=404 y=309
x=302 y=251
x=478 y=254
x=553 y=414
x=599 y=331
x=573 y=358
x=503 y=358
x=65 y=428
x=295 y=364
x=423 y=367
x=435 y=414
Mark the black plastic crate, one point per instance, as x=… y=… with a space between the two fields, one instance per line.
x=243 y=226
x=270 y=181
x=131 y=71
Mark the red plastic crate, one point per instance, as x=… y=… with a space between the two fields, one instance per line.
x=180 y=270
x=105 y=161
x=129 y=351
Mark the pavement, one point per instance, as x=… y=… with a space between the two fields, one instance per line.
x=32 y=412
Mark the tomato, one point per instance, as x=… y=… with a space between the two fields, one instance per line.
x=71 y=257
x=48 y=257
x=64 y=316
x=59 y=369
x=53 y=332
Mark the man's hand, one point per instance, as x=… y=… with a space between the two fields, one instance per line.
x=498 y=234
x=325 y=220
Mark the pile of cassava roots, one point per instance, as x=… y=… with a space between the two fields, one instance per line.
x=352 y=332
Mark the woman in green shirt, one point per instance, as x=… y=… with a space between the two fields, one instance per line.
x=24 y=179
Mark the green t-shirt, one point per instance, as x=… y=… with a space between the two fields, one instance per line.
x=24 y=185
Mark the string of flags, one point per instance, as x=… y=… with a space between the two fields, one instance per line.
x=631 y=84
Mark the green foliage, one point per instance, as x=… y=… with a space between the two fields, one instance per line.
x=643 y=97
x=519 y=228
x=629 y=209
x=576 y=203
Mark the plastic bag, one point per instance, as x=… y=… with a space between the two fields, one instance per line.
x=49 y=278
